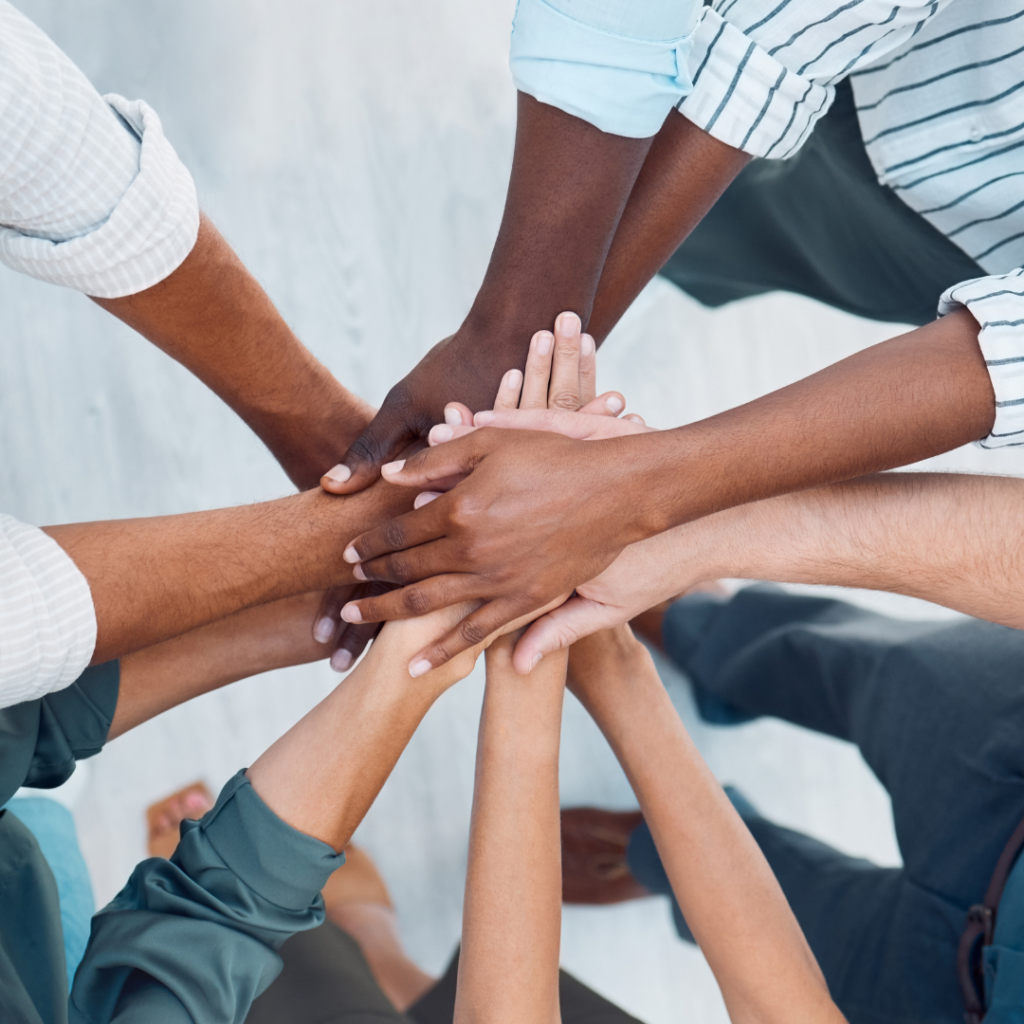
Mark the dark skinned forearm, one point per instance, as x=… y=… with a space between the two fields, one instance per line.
x=212 y=316
x=152 y=579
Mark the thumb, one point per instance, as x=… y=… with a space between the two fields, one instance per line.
x=386 y=436
x=559 y=629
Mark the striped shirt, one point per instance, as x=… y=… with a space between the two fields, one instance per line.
x=93 y=197
x=939 y=89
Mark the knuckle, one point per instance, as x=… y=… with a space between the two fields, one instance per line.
x=416 y=602
x=472 y=632
x=396 y=570
x=392 y=533
x=366 y=448
x=566 y=400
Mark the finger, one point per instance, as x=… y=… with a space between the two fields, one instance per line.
x=387 y=435
x=414 y=600
x=577 y=618
x=328 y=616
x=588 y=369
x=508 y=391
x=444 y=461
x=564 y=389
x=576 y=425
x=611 y=403
x=472 y=631
x=412 y=529
x=538 y=372
x=408 y=566
x=457 y=415
x=636 y=418
x=443 y=432
x=353 y=638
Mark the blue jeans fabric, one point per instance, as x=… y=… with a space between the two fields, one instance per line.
x=54 y=829
x=937 y=710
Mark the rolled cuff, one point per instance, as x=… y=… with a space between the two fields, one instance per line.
x=746 y=98
x=621 y=85
x=47 y=618
x=147 y=236
x=997 y=303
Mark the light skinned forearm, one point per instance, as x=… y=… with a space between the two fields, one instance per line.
x=153 y=579
x=245 y=644
x=724 y=886
x=322 y=776
x=947 y=538
x=508 y=968
x=907 y=399
x=214 y=318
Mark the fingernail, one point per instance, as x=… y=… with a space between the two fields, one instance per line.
x=351 y=555
x=536 y=658
x=425 y=498
x=350 y=613
x=481 y=419
x=441 y=433
x=568 y=323
x=339 y=474
x=614 y=404
x=544 y=342
x=359 y=572
x=452 y=417
x=512 y=379
x=323 y=630
x=419 y=668
x=587 y=346
x=393 y=467
x=341 y=660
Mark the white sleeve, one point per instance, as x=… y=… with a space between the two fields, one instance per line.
x=997 y=303
x=765 y=71
x=92 y=195
x=47 y=618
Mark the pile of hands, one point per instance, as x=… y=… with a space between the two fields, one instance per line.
x=402 y=562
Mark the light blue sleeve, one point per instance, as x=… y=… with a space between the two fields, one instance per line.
x=621 y=65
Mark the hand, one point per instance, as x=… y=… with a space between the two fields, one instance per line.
x=493 y=531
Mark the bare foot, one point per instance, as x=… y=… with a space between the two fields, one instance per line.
x=648 y=624
x=164 y=817
x=358 y=902
x=594 y=867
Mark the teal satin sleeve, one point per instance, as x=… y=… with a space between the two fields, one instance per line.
x=195 y=938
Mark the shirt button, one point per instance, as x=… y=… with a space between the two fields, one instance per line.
x=975 y=134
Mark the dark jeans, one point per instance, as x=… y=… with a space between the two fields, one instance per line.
x=937 y=710
x=820 y=224
x=326 y=980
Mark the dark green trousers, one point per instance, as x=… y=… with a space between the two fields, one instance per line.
x=820 y=224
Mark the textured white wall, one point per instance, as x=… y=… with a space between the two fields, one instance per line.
x=356 y=154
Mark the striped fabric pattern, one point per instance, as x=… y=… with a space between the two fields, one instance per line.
x=92 y=195
x=47 y=619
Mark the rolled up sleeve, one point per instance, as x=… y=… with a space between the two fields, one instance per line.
x=765 y=72
x=195 y=938
x=620 y=66
x=997 y=303
x=92 y=195
x=47 y=618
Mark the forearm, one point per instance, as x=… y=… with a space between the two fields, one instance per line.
x=212 y=316
x=508 y=969
x=153 y=579
x=245 y=644
x=685 y=171
x=945 y=538
x=322 y=776
x=732 y=902
x=915 y=396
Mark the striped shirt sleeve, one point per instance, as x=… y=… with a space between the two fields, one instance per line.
x=617 y=64
x=997 y=303
x=764 y=71
x=92 y=195
x=47 y=619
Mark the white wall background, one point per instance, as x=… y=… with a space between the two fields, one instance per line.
x=356 y=155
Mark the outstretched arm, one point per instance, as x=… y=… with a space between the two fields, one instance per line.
x=508 y=968
x=724 y=886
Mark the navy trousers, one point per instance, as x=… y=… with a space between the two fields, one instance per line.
x=937 y=711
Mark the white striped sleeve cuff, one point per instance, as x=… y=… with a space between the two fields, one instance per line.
x=145 y=237
x=764 y=72
x=47 y=619
x=997 y=303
